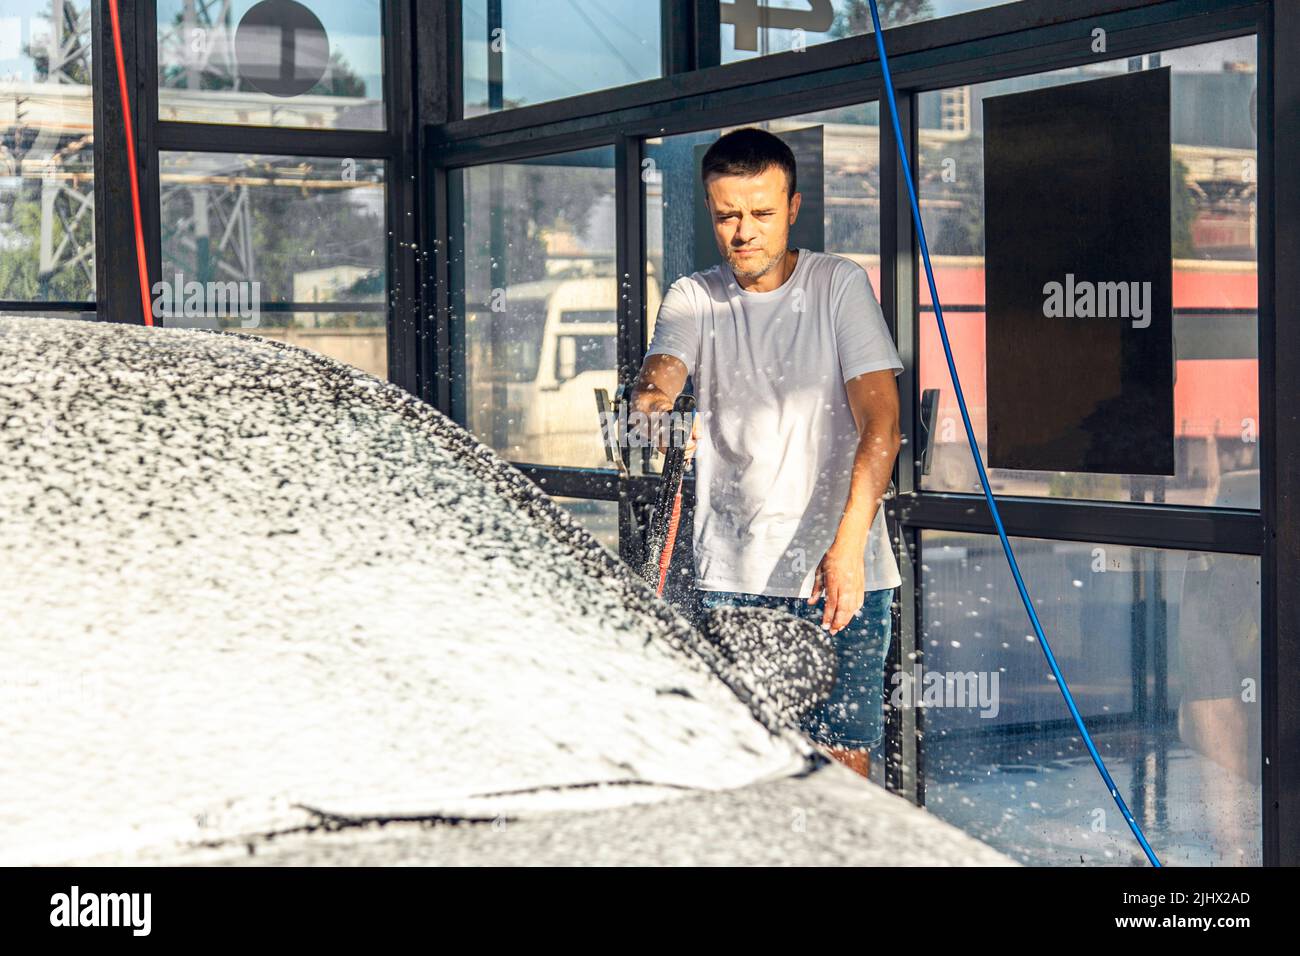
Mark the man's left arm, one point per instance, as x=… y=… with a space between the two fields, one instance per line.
x=841 y=575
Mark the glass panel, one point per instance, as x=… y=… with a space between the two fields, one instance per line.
x=838 y=176
x=283 y=229
x=47 y=198
x=1161 y=650
x=359 y=339
x=540 y=301
x=48 y=314
x=518 y=52
x=272 y=62
x=1215 y=281
x=598 y=517
x=755 y=27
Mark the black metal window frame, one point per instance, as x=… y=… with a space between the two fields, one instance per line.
x=994 y=48
x=1026 y=37
x=395 y=146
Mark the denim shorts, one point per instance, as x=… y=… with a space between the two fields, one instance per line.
x=852 y=717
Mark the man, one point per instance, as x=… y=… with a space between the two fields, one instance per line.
x=794 y=373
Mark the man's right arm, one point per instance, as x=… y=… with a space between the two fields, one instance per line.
x=673 y=350
x=661 y=380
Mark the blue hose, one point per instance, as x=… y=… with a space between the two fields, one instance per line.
x=979 y=462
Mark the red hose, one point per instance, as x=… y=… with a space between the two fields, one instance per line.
x=666 y=555
x=141 y=269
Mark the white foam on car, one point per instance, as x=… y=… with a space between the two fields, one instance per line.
x=243 y=583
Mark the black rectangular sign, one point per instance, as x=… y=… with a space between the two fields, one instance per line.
x=1078 y=277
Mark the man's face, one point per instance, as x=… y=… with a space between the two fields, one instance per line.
x=752 y=217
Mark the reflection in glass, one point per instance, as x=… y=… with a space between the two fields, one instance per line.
x=598 y=517
x=1215 y=281
x=519 y=52
x=317 y=64
x=757 y=27
x=47 y=201
x=287 y=247
x=538 y=320
x=88 y=316
x=1161 y=650
x=359 y=339
x=305 y=229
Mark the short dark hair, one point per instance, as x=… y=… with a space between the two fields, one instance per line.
x=749 y=152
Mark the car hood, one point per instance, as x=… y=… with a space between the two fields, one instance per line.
x=245 y=583
x=823 y=818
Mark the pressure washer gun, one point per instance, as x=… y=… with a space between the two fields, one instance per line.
x=655 y=552
x=661 y=534
x=608 y=414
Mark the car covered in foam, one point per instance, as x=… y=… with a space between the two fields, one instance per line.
x=261 y=606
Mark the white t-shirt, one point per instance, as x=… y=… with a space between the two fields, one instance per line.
x=774 y=461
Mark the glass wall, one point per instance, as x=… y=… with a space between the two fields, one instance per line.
x=289 y=247
x=598 y=517
x=47 y=199
x=536 y=328
x=1161 y=650
x=1161 y=644
x=519 y=52
x=756 y=27
x=1213 y=184
x=272 y=63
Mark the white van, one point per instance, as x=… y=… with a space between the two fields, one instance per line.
x=560 y=344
